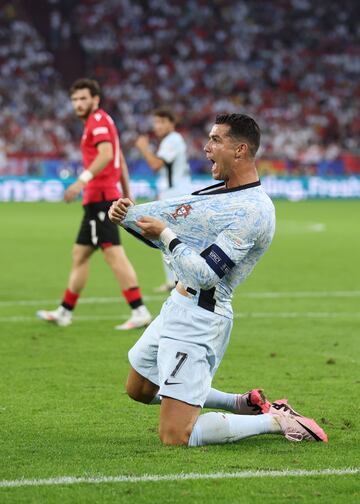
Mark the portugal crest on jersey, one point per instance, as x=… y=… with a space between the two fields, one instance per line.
x=182 y=211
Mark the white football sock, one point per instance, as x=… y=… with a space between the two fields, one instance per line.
x=222 y=400
x=215 y=399
x=220 y=428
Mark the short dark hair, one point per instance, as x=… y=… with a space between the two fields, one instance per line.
x=242 y=126
x=165 y=112
x=84 y=83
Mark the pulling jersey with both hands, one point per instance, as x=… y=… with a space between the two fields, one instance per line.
x=220 y=236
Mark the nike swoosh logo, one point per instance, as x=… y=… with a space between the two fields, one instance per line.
x=166 y=382
x=312 y=433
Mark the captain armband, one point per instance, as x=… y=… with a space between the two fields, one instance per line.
x=85 y=176
x=217 y=260
x=169 y=239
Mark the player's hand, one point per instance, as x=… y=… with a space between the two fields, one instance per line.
x=119 y=209
x=142 y=142
x=73 y=191
x=151 y=228
x=130 y=197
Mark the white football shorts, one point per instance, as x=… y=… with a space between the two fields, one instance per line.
x=181 y=349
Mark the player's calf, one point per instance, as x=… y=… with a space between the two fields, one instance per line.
x=171 y=436
x=177 y=420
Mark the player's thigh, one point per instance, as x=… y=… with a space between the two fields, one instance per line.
x=144 y=354
x=140 y=388
x=81 y=254
x=115 y=256
x=87 y=234
x=96 y=228
x=108 y=234
x=177 y=419
x=184 y=369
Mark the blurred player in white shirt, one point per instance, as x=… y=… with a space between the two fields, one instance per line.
x=171 y=165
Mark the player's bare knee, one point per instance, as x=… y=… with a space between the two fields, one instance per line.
x=133 y=391
x=138 y=393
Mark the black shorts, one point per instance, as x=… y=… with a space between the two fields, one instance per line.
x=96 y=228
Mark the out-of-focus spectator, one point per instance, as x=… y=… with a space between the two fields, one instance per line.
x=34 y=106
x=3 y=157
x=298 y=74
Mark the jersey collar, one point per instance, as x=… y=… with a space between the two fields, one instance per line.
x=221 y=188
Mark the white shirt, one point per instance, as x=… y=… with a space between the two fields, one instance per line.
x=219 y=236
x=174 y=177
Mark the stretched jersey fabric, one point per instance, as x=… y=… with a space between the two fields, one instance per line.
x=174 y=178
x=100 y=127
x=220 y=236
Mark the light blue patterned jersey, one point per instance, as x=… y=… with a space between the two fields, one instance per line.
x=220 y=236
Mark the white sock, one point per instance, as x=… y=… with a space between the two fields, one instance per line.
x=220 y=400
x=140 y=310
x=61 y=309
x=215 y=399
x=220 y=428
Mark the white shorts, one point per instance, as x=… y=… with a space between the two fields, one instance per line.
x=181 y=349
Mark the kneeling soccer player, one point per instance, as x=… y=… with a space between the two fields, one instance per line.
x=212 y=239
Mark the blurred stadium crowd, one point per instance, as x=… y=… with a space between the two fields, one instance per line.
x=292 y=64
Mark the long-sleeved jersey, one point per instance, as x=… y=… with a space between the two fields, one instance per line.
x=219 y=236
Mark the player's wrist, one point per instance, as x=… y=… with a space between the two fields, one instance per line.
x=167 y=236
x=85 y=176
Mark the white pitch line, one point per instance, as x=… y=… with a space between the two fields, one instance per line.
x=301 y=294
x=257 y=295
x=296 y=314
x=70 y=480
x=89 y=300
x=261 y=315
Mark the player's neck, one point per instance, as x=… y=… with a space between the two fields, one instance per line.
x=246 y=174
x=84 y=119
x=167 y=134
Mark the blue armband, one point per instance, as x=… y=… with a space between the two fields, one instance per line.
x=217 y=260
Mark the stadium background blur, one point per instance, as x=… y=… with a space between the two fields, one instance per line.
x=295 y=66
x=298 y=75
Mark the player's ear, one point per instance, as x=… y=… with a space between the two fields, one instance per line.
x=241 y=151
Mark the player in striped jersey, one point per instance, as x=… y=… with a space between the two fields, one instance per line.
x=104 y=167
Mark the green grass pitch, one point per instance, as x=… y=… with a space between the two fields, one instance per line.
x=63 y=411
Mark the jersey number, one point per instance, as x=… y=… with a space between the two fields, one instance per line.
x=94 y=237
x=183 y=356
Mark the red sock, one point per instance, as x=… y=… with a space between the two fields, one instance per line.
x=133 y=297
x=69 y=299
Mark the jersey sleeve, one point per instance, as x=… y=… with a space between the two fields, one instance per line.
x=99 y=131
x=134 y=213
x=206 y=269
x=168 y=149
